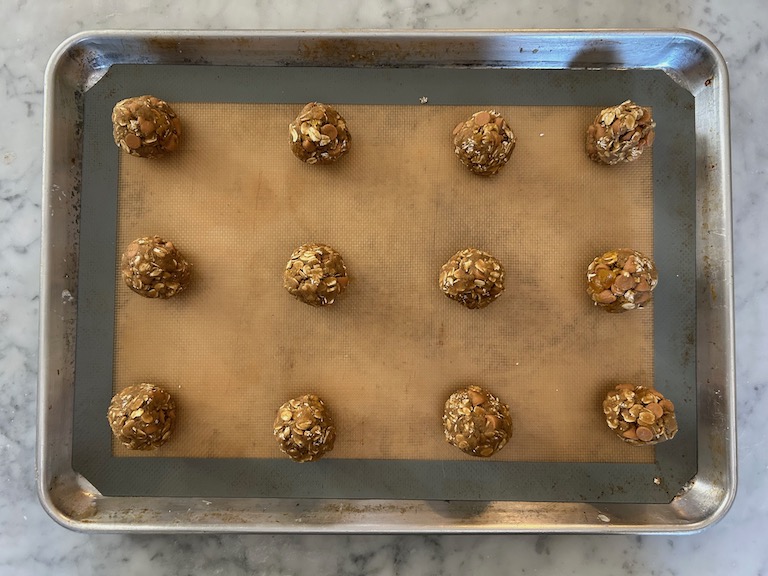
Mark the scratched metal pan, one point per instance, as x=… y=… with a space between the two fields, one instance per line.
x=82 y=486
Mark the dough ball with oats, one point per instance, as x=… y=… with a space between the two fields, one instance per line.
x=154 y=268
x=319 y=134
x=304 y=428
x=472 y=277
x=621 y=280
x=639 y=415
x=484 y=142
x=315 y=274
x=145 y=126
x=620 y=133
x=476 y=421
x=142 y=417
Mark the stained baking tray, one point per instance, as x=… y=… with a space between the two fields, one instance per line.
x=680 y=73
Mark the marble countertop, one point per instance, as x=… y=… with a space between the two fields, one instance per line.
x=31 y=543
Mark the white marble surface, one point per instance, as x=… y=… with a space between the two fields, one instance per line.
x=31 y=543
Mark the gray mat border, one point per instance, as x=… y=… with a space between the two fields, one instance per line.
x=674 y=308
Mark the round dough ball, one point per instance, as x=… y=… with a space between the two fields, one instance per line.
x=142 y=417
x=145 y=126
x=640 y=416
x=304 y=428
x=476 y=422
x=620 y=133
x=315 y=274
x=621 y=280
x=319 y=134
x=154 y=268
x=484 y=143
x=472 y=277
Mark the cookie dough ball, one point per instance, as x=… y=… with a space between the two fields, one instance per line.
x=304 y=428
x=640 y=415
x=142 y=417
x=145 y=126
x=154 y=268
x=315 y=274
x=620 y=133
x=472 y=277
x=319 y=134
x=621 y=280
x=476 y=422
x=484 y=143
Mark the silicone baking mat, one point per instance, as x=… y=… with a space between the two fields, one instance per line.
x=390 y=350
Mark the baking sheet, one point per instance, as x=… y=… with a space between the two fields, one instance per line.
x=387 y=354
x=348 y=477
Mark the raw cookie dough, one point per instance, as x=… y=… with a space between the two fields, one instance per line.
x=142 y=416
x=472 y=277
x=476 y=422
x=315 y=274
x=319 y=134
x=640 y=415
x=620 y=133
x=145 y=126
x=154 y=268
x=621 y=280
x=304 y=428
x=484 y=143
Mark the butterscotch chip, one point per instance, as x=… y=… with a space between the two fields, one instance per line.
x=640 y=415
x=484 y=142
x=476 y=421
x=472 y=277
x=142 y=417
x=315 y=274
x=621 y=280
x=304 y=428
x=319 y=134
x=620 y=133
x=145 y=126
x=154 y=268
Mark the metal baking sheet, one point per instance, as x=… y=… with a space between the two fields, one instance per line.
x=684 y=79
